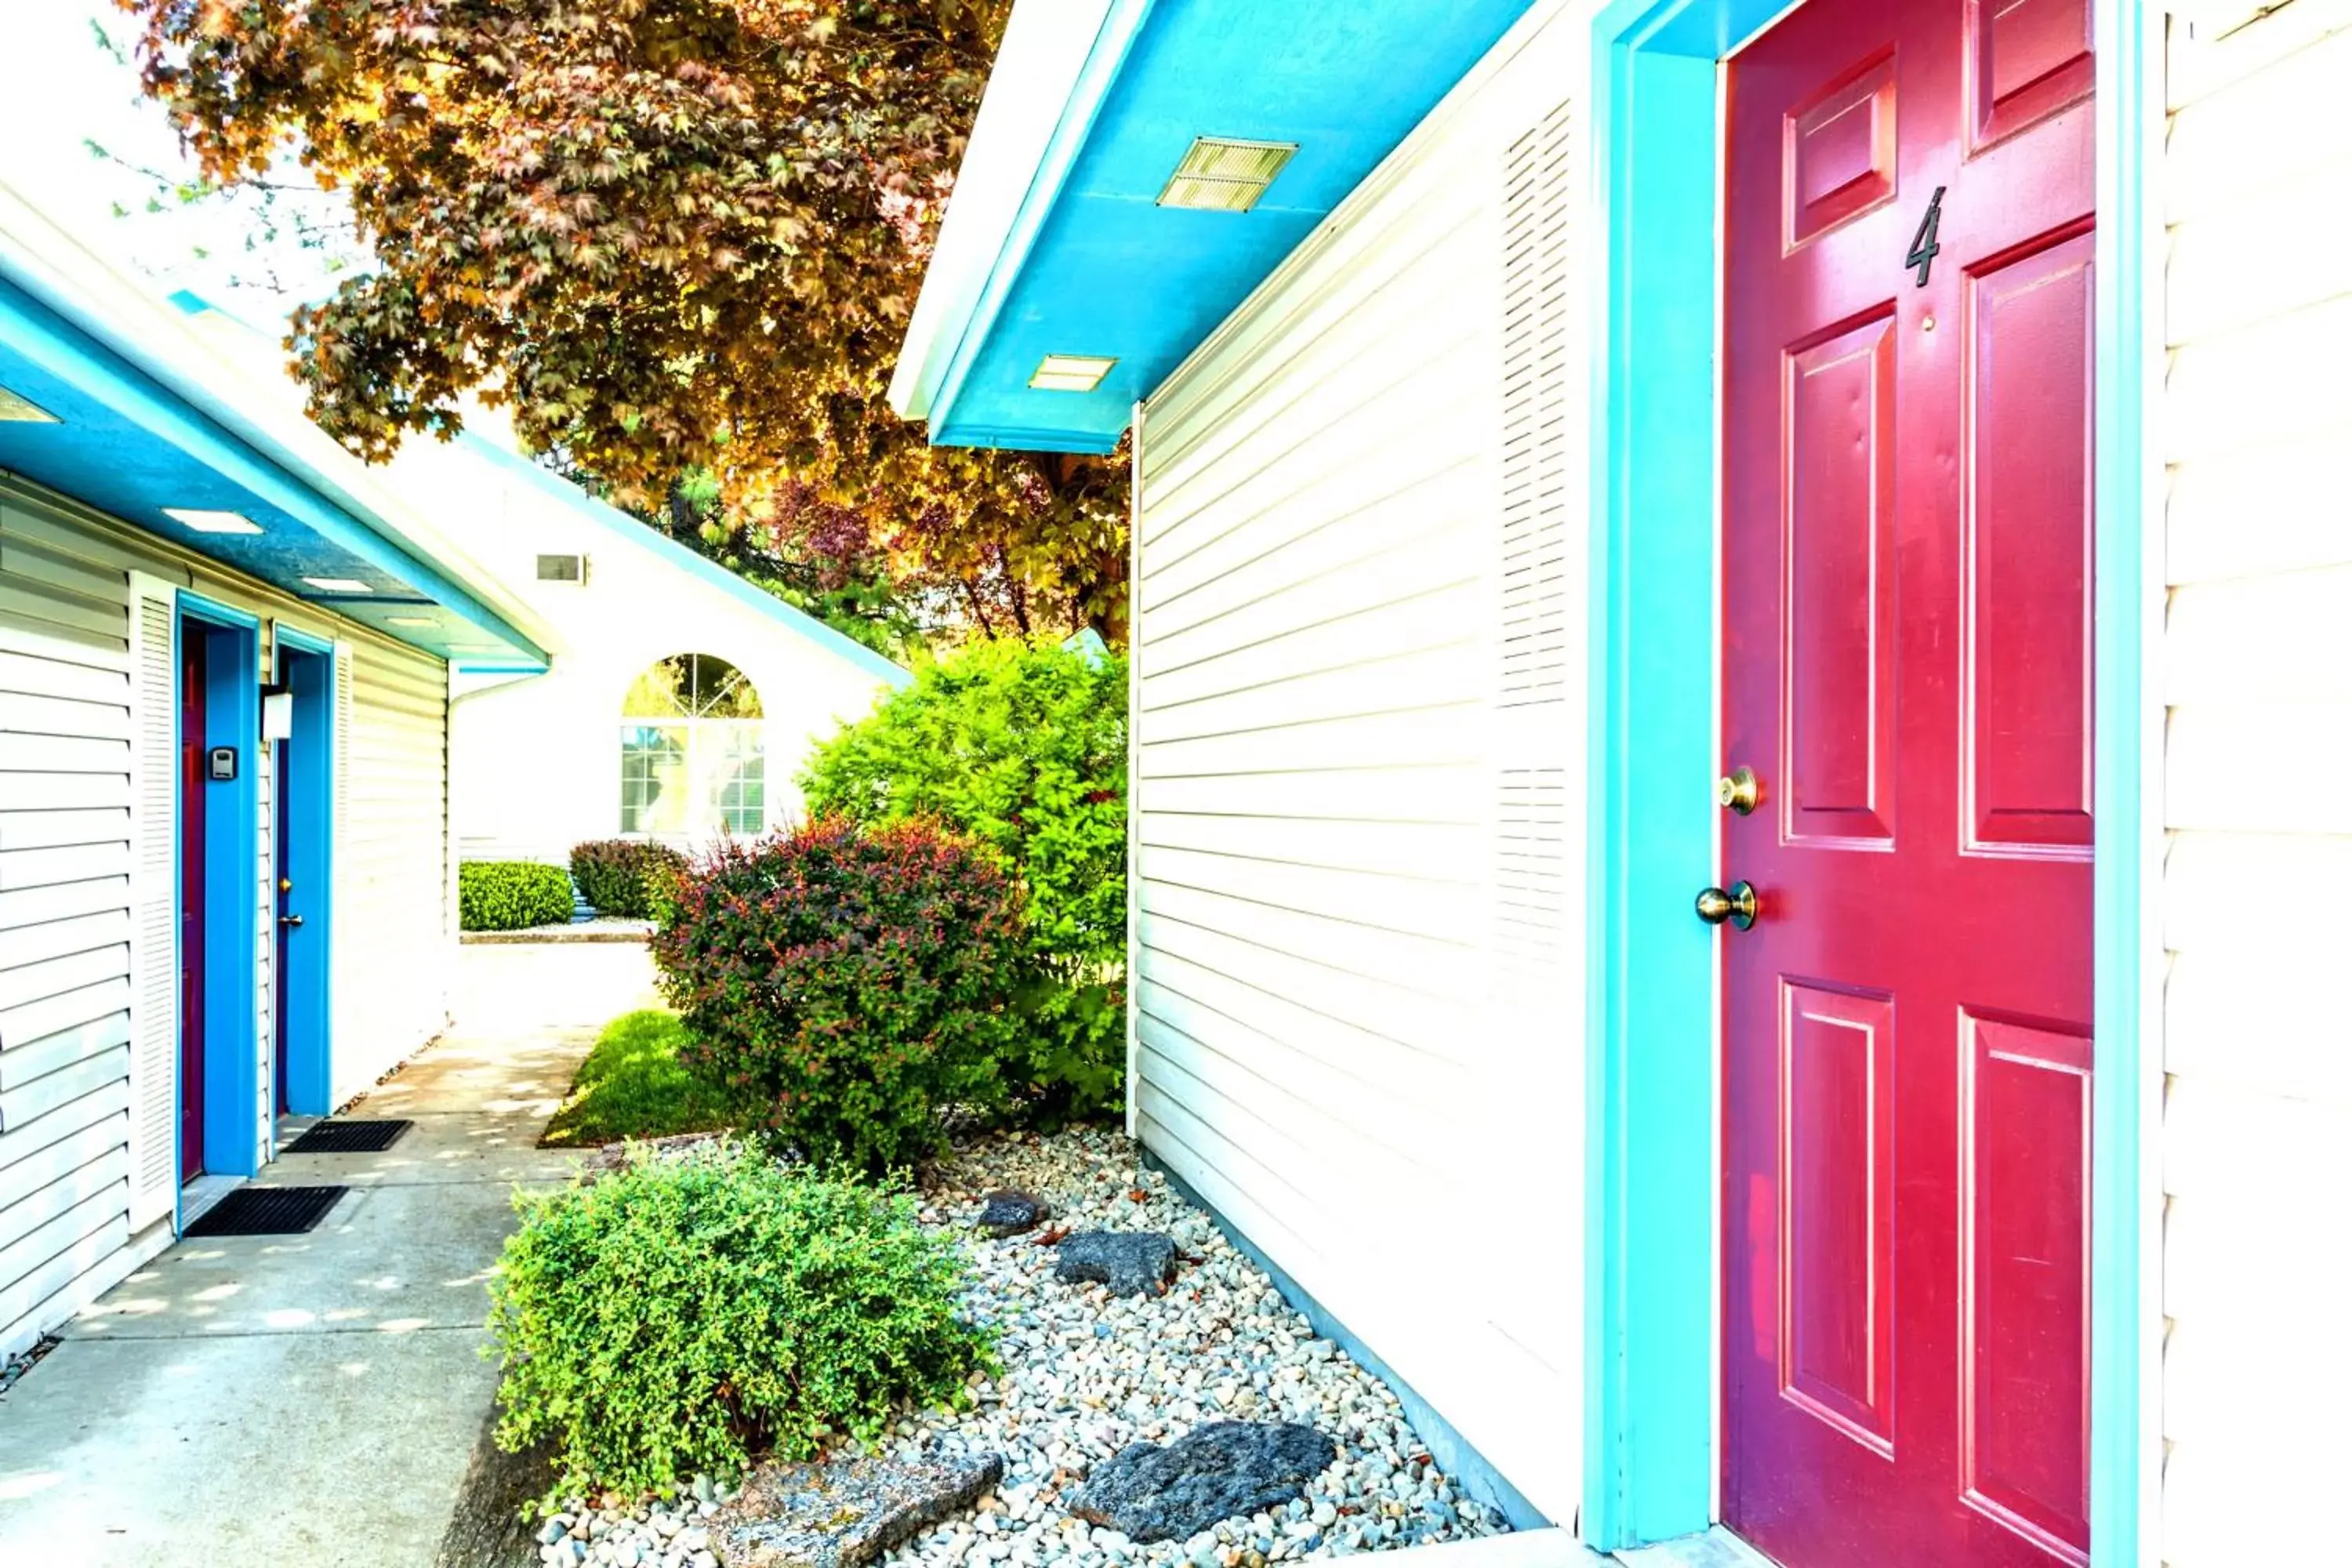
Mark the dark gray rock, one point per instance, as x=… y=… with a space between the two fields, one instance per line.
x=1011 y=1213
x=843 y=1512
x=1154 y=1492
x=1131 y=1262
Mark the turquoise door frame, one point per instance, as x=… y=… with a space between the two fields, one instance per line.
x=231 y=1040
x=310 y=803
x=1652 y=1394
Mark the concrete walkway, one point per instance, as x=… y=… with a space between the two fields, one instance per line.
x=313 y=1399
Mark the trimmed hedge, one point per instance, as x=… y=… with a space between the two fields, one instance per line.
x=509 y=895
x=847 y=984
x=685 y=1313
x=630 y=877
x=1023 y=749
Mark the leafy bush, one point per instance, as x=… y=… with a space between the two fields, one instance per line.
x=625 y=876
x=507 y=895
x=680 y=1314
x=1022 y=748
x=847 y=984
x=633 y=1085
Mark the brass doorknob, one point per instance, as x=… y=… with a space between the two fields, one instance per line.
x=1738 y=906
x=1741 y=790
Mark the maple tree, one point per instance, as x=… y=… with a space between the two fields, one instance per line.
x=678 y=239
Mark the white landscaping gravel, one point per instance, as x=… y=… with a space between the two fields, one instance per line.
x=1085 y=1374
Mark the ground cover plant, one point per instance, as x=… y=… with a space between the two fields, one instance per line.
x=685 y=1313
x=1023 y=749
x=846 y=985
x=625 y=876
x=635 y=1084
x=509 y=895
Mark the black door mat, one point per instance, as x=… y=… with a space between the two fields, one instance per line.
x=354 y=1137
x=267 y=1211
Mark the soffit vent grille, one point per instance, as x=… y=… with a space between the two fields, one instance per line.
x=1219 y=174
x=563 y=568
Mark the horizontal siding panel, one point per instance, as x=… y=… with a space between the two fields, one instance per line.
x=1357 y=519
x=2267 y=383
x=2287 y=247
x=1187 y=1032
x=1413 y=681
x=1437 y=736
x=102 y=1005
x=1375 y=1062
x=2265 y=131
x=21 y=945
x=43 y=1095
x=30 y=675
x=2275 y=507
x=65 y=1140
x=39 y=906
x=95 y=549
x=59 y=829
x=52 y=1290
x=2232 y=892
x=44 y=608
x=2242 y=1018
x=63 y=754
x=1417 y=851
x=64 y=792
x=59 y=1233
x=1385 y=794
x=82 y=1186
x=1414 y=592
x=2280 y=635
x=23 y=869
x=1448 y=968
x=20 y=984
x=1435 y=910
x=2258 y=766
x=1406 y=639
x=65 y=577
x=21 y=715
x=1394 y=1011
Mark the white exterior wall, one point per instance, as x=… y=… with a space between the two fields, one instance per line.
x=2258 y=1049
x=83 y=735
x=538 y=761
x=1359 y=785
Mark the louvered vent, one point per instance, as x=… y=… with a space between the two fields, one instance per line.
x=156 y=978
x=1531 y=778
x=1536 y=231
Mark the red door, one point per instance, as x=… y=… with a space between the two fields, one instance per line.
x=192 y=903
x=1907 y=637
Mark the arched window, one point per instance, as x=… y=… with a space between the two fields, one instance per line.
x=693 y=751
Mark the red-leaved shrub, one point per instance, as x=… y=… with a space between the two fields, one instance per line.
x=846 y=982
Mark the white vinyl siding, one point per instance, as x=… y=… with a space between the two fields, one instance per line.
x=1359 y=710
x=2258 y=1053
x=396 y=937
x=89 y=763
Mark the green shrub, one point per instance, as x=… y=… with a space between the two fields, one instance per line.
x=1023 y=750
x=625 y=876
x=681 y=1314
x=846 y=985
x=507 y=895
x=633 y=1085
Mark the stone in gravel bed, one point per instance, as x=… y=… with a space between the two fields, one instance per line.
x=1133 y=1263
x=1009 y=1213
x=847 y=1512
x=1223 y=1469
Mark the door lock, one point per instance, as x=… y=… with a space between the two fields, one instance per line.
x=296 y=920
x=1740 y=791
x=1736 y=906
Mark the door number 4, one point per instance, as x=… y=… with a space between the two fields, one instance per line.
x=1924 y=248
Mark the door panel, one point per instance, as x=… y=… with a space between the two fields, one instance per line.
x=1906 y=571
x=192 y=903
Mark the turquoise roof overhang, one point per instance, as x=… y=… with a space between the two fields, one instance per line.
x=1055 y=242
x=126 y=445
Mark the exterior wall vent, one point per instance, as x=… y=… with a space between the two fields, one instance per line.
x=564 y=569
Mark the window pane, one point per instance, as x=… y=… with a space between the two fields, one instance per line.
x=653 y=794
x=739 y=796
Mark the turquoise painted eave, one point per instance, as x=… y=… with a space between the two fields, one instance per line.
x=1056 y=243
x=127 y=445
